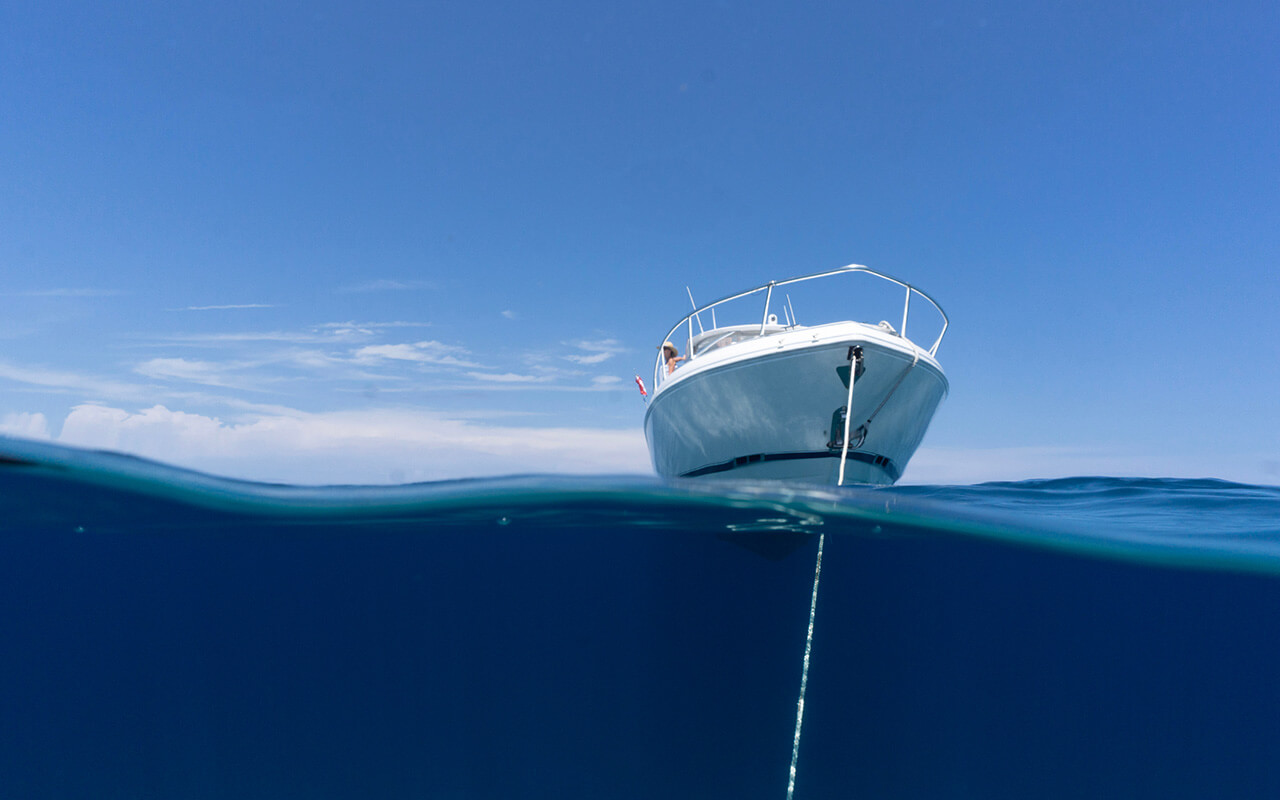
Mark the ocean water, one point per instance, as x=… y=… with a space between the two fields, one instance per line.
x=165 y=634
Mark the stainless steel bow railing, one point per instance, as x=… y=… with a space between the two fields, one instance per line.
x=659 y=369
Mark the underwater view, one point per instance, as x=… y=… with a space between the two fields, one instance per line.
x=169 y=634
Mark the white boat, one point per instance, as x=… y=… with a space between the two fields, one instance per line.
x=835 y=402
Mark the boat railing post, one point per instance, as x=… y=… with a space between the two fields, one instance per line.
x=933 y=351
x=906 y=306
x=695 y=310
x=768 y=295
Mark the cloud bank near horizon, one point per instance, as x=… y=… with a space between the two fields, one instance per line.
x=382 y=446
x=356 y=447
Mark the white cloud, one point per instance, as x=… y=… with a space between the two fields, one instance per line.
x=312 y=359
x=430 y=352
x=183 y=369
x=599 y=351
x=508 y=377
x=352 y=328
x=509 y=314
x=237 y=337
x=368 y=446
x=349 y=330
x=595 y=358
x=30 y=426
x=154 y=432
x=606 y=380
x=228 y=307
x=68 y=381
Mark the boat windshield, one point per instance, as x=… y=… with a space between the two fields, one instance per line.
x=724 y=337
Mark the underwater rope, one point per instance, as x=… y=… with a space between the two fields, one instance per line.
x=804 y=673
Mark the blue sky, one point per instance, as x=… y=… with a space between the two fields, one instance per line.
x=384 y=242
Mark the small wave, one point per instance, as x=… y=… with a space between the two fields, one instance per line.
x=1193 y=522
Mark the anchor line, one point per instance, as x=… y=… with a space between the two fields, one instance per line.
x=804 y=672
x=848 y=413
x=855 y=358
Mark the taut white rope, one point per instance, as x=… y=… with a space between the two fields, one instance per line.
x=848 y=414
x=804 y=673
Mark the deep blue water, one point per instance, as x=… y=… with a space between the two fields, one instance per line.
x=168 y=635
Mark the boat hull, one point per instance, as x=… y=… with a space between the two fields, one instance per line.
x=774 y=409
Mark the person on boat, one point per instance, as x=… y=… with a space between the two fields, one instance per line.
x=672 y=356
